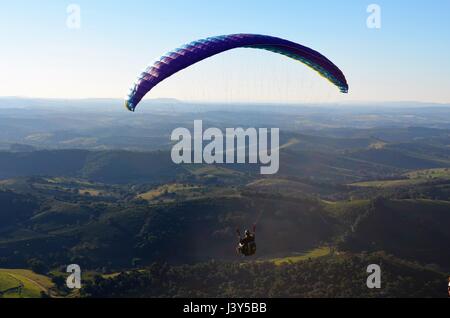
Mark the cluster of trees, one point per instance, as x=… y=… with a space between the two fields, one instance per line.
x=414 y=230
x=332 y=276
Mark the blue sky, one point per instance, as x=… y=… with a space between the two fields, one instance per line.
x=406 y=60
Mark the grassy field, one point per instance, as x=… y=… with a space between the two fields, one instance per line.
x=280 y=184
x=318 y=252
x=21 y=283
x=7 y=282
x=378 y=145
x=62 y=180
x=57 y=184
x=168 y=190
x=91 y=192
x=342 y=207
x=429 y=174
x=213 y=171
x=410 y=178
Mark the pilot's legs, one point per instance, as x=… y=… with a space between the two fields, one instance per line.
x=239 y=248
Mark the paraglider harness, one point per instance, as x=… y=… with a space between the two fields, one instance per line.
x=247 y=245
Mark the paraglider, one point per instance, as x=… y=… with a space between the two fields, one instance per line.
x=199 y=50
x=247 y=244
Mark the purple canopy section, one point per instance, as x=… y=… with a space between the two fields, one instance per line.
x=197 y=51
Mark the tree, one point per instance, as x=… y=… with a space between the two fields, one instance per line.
x=59 y=281
x=37 y=266
x=43 y=294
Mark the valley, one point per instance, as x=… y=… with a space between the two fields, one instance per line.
x=344 y=196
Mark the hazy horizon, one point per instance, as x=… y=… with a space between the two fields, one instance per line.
x=344 y=103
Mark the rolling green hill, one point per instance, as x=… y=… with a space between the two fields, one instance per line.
x=341 y=275
x=342 y=198
x=15 y=208
x=411 y=178
x=411 y=229
x=182 y=231
x=332 y=160
x=20 y=283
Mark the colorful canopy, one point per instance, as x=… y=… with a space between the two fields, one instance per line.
x=197 y=51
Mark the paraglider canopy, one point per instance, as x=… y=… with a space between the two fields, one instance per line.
x=197 y=51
